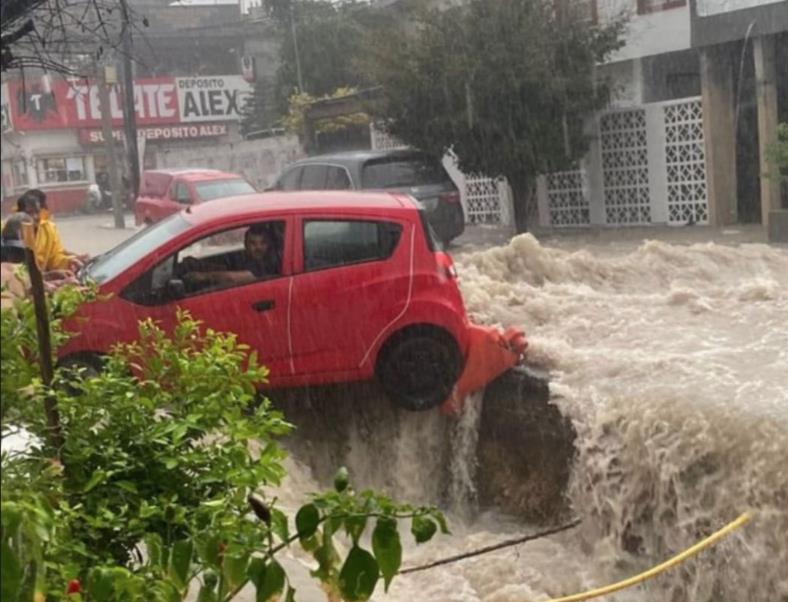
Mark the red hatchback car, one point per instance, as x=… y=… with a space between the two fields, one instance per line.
x=164 y=192
x=327 y=287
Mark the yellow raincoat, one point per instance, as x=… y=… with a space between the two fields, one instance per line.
x=49 y=251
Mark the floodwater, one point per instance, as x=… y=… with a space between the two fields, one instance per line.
x=671 y=361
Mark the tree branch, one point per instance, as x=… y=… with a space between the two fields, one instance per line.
x=492 y=548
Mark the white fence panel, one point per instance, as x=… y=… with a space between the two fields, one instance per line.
x=651 y=168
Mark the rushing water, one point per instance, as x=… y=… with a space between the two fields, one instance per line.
x=672 y=363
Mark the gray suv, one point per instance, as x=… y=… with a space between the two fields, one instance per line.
x=411 y=172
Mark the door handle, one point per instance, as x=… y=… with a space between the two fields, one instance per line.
x=263 y=305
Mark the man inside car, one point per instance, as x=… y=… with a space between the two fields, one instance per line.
x=261 y=260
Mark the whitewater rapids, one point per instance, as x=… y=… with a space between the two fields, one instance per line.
x=671 y=361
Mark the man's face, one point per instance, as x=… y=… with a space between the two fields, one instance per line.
x=33 y=210
x=256 y=246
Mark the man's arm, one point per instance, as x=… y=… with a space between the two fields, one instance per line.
x=220 y=277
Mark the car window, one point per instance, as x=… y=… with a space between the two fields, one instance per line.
x=182 y=193
x=112 y=263
x=399 y=172
x=218 y=189
x=289 y=181
x=314 y=177
x=337 y=178
x=332 y=243
x=220 y=260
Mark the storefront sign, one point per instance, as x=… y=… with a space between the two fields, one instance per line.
x=167 y=132
x=211 y=98
x=157 y=101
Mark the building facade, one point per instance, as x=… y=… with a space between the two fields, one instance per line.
x=697 y=93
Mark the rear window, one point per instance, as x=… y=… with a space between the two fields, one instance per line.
x=332 y=243
x=218 y=189
x=399 y=172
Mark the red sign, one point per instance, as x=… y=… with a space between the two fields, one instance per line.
x=165 y=132
x=157 y=101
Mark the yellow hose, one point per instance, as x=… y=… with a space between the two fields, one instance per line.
x=653 y=572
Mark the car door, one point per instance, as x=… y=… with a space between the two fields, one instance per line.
x=256 y=311
x=169 y=203
x=352 y=283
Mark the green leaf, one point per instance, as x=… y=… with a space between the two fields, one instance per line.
x=98 y=477
x=207 y=595
x=12 y=573
x=279 y=524
x=208 y=549
x=358 y=576
x=181 y=561
x=100 y=585
x=290 y=595
x=269 y=580
x=438 y=516
x=354 y=526
x=341 y=479
x=127 y=486
x=307 y=520
x=153 y=545
x=387 y=548
x=234 y=567
x=423 y=528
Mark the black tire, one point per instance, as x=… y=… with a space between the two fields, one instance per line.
x=80 y=367
x=418 y=369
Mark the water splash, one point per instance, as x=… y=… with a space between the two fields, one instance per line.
x=462 y=470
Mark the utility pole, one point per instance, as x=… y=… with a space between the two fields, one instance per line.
x=55 y=434
x=295 y=48
x=129 y=112
x=109 y=143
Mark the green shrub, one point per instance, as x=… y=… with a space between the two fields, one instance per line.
x=164 y=452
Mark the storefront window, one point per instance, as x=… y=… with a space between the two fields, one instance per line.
x=61 y=169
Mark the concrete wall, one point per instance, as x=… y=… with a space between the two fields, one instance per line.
x=260 y=161
x=649 y=34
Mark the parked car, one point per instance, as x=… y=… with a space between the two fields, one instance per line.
x=354 y=287
x=408 y=171
x=164 y=192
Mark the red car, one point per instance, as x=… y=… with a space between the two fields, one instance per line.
x=327 y=286
x=164 y=192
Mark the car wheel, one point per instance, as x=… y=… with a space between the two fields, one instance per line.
x=418 y=369
x=80 y=367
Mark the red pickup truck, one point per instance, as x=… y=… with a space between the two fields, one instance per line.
x=164 y=192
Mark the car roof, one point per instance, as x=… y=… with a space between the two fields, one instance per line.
x=195 y=174
x=357 y=156
x=251 y=205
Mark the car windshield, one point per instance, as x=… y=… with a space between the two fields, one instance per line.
x=218 y=189
x=107 y=266
x=395 y=172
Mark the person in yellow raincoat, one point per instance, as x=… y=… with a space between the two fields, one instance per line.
x=48 y=249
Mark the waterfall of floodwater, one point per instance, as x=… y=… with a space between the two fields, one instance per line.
x=671 y=361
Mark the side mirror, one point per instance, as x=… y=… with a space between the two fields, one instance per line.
x=175 y=289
